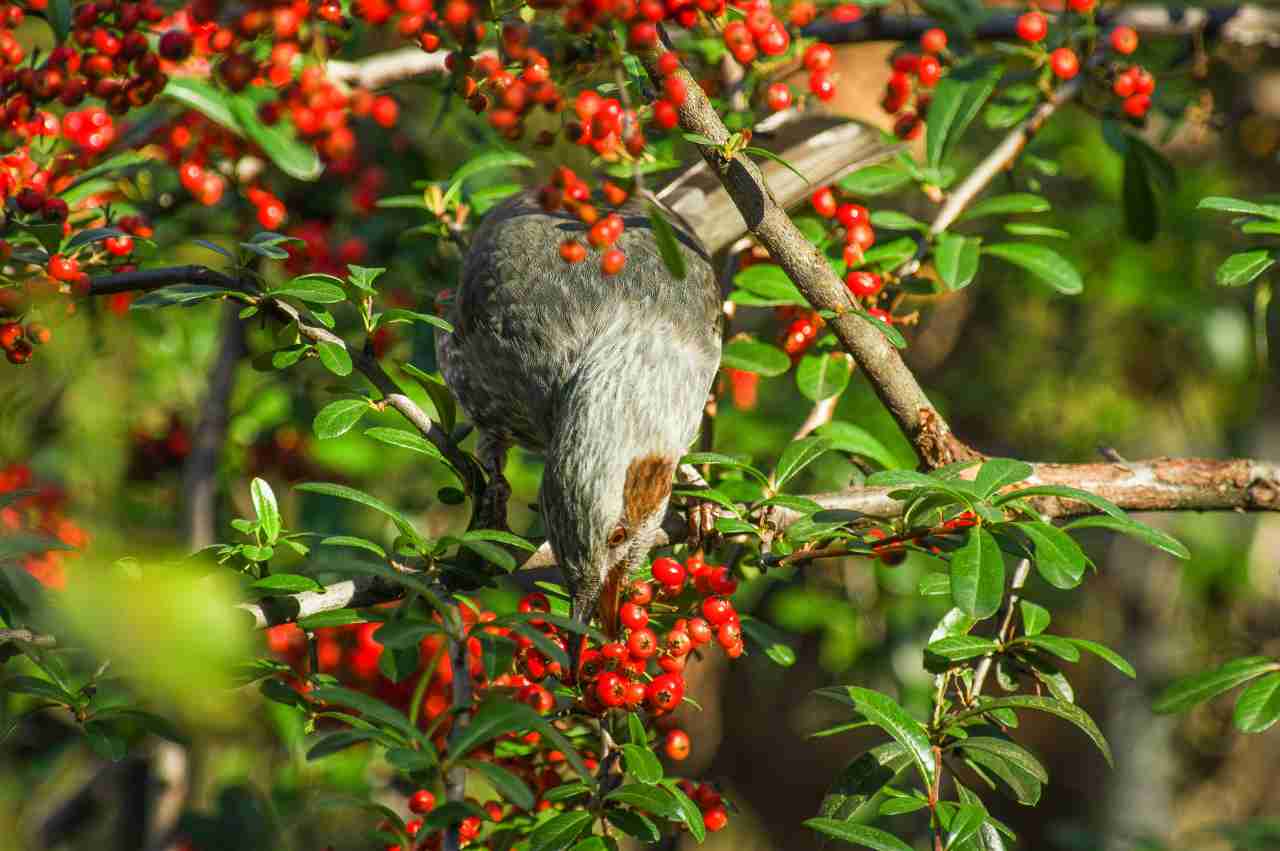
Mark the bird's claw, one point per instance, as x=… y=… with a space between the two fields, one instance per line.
x=491 y=513
x=702 y=523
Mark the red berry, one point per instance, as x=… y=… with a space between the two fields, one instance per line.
x=175 y=45
x=716 y=610
x=699 y=631
x=534 y=602
x=665 y=692
x=614 y=651
x=778 y=96
x=818 y=57
x=635 y=693
x=20 y=353
x=679 y=643
x=1064 y=63
x=729 y=634
x=271 y=215
x=10 y=333
x=674 y=89
x=1124 y=40
x=883 y=315
x=860 y=235
x=642 y=643
x=668 y=571
x=612 y=261
x=715 y=819
x=54 y=210
x=822 y=85
x=39 y=334
x=421 y=802
x=863 y=284
x=929 y=71
x=1032 y=26
x=676 y=744
x=385 y=111
x=933 y=41
x=63 y=268
x=633 y=616
x=665 y=114
x=1136 y=106
x=30 y=200
x=824 y=202
x=572 y=251
x=119 y=246
x=849 y=215
x=1126 y=83
x=668 y=63
x=611 y=689
x=1081 y=6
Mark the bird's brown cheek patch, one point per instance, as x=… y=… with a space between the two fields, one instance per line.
x=648 y=484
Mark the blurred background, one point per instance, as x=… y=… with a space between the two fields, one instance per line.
x=143 y=429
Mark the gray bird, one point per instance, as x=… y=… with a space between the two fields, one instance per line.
x=607 y=376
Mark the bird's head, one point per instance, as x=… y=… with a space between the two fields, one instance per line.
x=602 y=514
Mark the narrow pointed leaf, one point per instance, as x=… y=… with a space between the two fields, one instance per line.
x=977 y=575
x=1197 y=688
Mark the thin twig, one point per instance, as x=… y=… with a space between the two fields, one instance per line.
x=1020 y=575
x=819 y=415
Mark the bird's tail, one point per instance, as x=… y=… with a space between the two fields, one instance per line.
x=821 y=147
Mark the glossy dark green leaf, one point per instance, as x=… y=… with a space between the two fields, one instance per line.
x=822 y=375
x=405 y=439
x=977 y=575
x=337 y=418
x=1009 y=751
x=1141 y=214
x=857 y=788
x=964 y=824
x=885 y=713
x=314 y=288
x=560 y=832
x=956 y=259
x=957 y=100
x=1197 y=688
x=353 y=495
x=1045 y=263
x=893 y=220
x=770 y=282
x=1034 y=618
x=771 y=640
x=642 y=763
x=1235 y=205
x=1106 y=654
x=1003 y=205
x=1241 y=268
x=754 y=356
x=339 y=741
x=875 y=180
x=264 y=504
x=1258 y=707
x=1066 y=711
x=996 y=473
x=856 y=440
x=633 y=824
x=506 y=784
x=489 y=160
x=957 y=648
x=858 y=834
x=351 y=541
x=285 y=583
x=1054 y=645
x=335 y=358
x=668 y=245
x=1127 y=526
x=205 y=98
x=687 y=811
x=1058 y=558
x=651 y=800
x=278 y=141
x=798 y=455
x=372 y=709
x=43 y=689
x=498 y=715
x=1063 y=492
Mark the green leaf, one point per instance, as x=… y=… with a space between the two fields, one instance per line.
x=485 y=161
x=770 y=155
x=559 y=832
x=642 y=763
x=179 y=295
x=687 y=811
x=334 y=617
x=1003 y=205
x=1045 y=263
x=651 y=800
x=1197 y=688
x=858 y=787
x=1126 y=526
x=772 y=640
x=316 y=288
x=90 y=236
x=977 y=575
x=1106 y=654
x=997 y=473
x=203 y=97
x=755 y=356
x=856 y=440
x=492 y=553
x=768 y=281
x=957 y=100
x=1025 y=229
x=633 y=824
x=506 y=784
x=964 y=824
x=1258 y=706
x=893 y=220
x=957 y=648
x=956 y=259
x=1034 y=618
x=823 y=374
x=1058 y=558
x=371 y=709
x=265 y=507
x=286 y=583
x=1141 y=214
x=1064 y=492
x=337 y=418
x=498 y=715
x=278 y=141
x=1009 y=751
x=885 y=713
x=335 y=357
x=405 y=439
x=1066 y=711
x=339 y=741
x=1054 y=645
x=396 y=314
x=798 y=455
x=858 y=834
x=350 y=541
x=58 y=13
x=344 y=492
x=446 y=406
x=1241 y=268
x=1235 y=205
x=668 y=246
x=43 y=689
x=875 y=180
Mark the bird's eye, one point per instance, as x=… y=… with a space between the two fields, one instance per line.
x=618 y=536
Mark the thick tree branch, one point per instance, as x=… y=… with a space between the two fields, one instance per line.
x=769 y=223
x=1162 y=484
x=1246 y=24
x=369 y=367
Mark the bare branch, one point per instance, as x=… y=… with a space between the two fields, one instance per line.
x=381 y=69
x=26 y=636
x=1001 y=157
x=349 y=594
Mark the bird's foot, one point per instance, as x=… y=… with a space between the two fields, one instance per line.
x=491 y=513
x=702 y=522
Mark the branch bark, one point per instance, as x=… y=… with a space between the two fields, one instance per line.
x=1161 y=484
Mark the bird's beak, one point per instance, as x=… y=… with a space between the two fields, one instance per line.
x=605 y=606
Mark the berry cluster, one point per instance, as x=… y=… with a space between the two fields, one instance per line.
x=913 y=73
x=855 y=224
x=41 y=512
x=569 y=192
